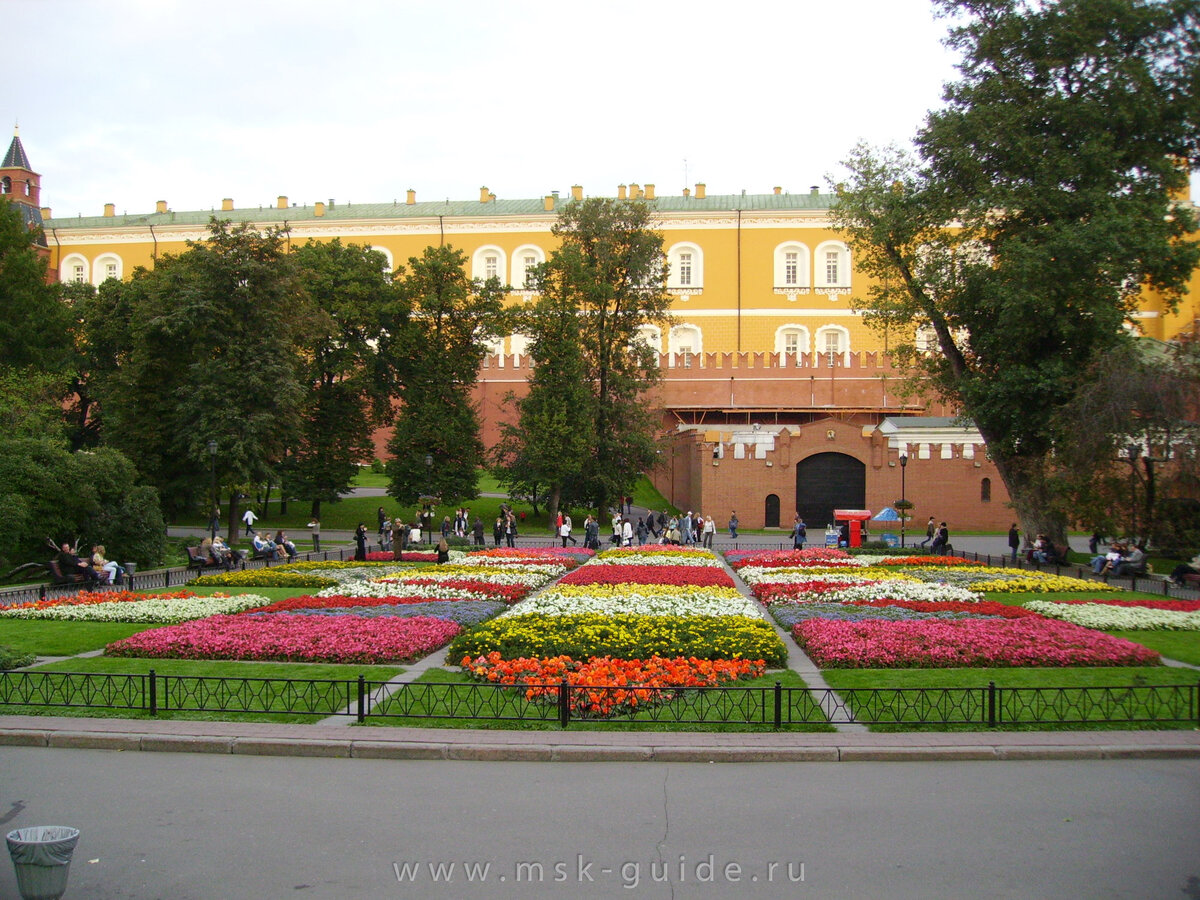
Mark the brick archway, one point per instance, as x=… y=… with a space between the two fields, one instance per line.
x=829 y=481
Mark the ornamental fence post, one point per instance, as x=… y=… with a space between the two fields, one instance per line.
x=778 y=705
x=564 y=703
x=362 y=699
x=153 y=694
x=991 y=704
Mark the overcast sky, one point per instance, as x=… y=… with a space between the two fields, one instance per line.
x=134 y=101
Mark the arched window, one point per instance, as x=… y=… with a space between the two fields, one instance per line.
x=687 y=269
x=525 y=258
x=771 y=511
x=792 y=275
x=685 y=341
x=489 y=261
x=107 y=265
x=651 y=336
x=834 y=342
x=985 y=490
x=387 y=254
x=5 y=185
x=832 y=268
x=74 y=267
x=791 y=339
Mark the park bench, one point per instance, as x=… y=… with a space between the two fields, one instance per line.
x=200 y=563
x=58 y=577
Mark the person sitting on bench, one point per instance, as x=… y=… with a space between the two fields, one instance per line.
x=71 y=566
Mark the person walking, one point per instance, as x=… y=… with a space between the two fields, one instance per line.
x=1014 y=540
x=249 y=518
x=930 y=532
x=733 y=525
x=360 y=543
x=799 y=533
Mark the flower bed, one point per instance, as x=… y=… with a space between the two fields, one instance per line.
x=287 y=637
x=1119 y=617
x=972 y=642
x=625 y=636
x=788 y=615
x=885 y=590
x=637 y=599
x=149 y=609
x=739 y=559
x=629 y=574
x=86 y=598
x=610 y=685
x=463 y=612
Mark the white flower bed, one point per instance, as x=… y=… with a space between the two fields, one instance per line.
x=165 y=610
x=530 y=576
x=1106 y=617
x=400 y=589
x=897 y=590
x=638 y=600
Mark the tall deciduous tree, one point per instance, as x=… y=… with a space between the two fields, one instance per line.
x=435 y=339
x=1040 y=207
x=212 y=358
x=36 y=328
x=547 y=449
x=610 y=269
x=348 y=287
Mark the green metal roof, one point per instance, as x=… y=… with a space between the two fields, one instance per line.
x=341 y=212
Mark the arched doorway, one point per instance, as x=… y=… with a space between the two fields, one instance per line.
x=771 y=512
x=829 y=481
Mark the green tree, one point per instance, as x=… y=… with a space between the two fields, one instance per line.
x=212 y=357
x=348 y=287
x=36 y=329
x=1040 y=207
x=437 y=334
x=610 y=269
x=553 y=437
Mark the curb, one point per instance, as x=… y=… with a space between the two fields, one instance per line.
x=257 y=739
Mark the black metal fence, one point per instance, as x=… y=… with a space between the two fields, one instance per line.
x=772 y=706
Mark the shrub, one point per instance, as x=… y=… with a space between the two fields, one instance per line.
x=11 y=659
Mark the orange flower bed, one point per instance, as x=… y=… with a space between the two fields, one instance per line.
x=605 y=686
x=86 y=598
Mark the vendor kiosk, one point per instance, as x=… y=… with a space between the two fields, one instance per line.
x=857 y=518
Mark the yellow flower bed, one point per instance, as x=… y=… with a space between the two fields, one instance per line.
x=277 y=576
x=1040 y=583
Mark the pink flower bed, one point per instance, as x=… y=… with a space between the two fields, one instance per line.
x=982 y=608
x=705 y=576
x=287 y=637
x=409 y=556
x=964 y=642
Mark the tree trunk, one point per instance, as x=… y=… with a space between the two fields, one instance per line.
x=234 y=519
x=552 y=506
x=1028 y=487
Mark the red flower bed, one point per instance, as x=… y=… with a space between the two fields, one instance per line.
x=610 y=685
x=409 y=556
x=928 y=561
x=936 y=643
x=982 y=608
x=287 y=637
x=509 y=593
x=296 y=604
x=705 y=576
x=87 y=598
x=800 y=591
x=779 y=558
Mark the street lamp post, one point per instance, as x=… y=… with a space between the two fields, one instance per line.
x=1134 y=452
x=903 y=496
x=212 y=477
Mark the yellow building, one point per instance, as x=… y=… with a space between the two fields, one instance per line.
x=772 y=383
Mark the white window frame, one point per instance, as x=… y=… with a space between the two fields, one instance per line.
x=69 y=267
x=687 y=339
x=521 y=266
x=803 y=281
x=840 y=284
x=479 y=261
x=651 y=336
x=802 y=338
x=822 y=341
x=695 y=281
x=100 y=268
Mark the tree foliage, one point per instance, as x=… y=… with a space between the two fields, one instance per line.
x=347 y=287
x=436 y=336
x=608 y=273
x=1040 y=206
x=211 y=356
x=36 y=330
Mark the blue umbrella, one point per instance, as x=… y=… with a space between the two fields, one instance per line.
x=887 y=514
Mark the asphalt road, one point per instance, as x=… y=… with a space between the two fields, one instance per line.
x=214 y=827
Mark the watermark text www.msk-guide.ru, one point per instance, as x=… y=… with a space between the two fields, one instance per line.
x=582 y=870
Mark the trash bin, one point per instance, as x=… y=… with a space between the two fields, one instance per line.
x=129 y=568
x=41 y=854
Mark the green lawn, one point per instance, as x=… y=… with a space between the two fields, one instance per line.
x=1181 y=646
x=45 y=637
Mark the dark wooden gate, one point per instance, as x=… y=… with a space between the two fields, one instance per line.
x=829 y=481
